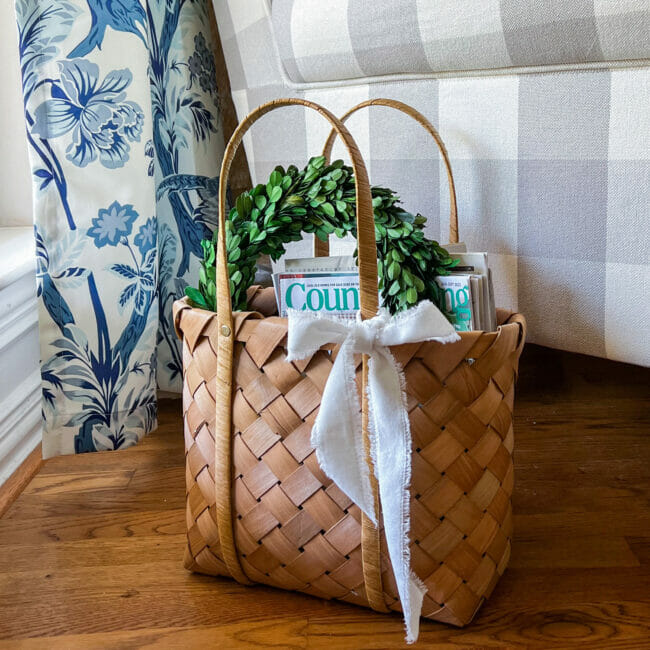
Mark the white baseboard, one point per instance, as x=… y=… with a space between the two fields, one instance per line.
x=20 y=376
x=20 y=424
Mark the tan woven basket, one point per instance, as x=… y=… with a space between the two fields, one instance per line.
x=260 y=509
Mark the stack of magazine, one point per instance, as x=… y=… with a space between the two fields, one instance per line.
x=469 y=292
x=331 y=284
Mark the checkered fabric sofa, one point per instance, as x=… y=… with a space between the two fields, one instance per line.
x=545 y=110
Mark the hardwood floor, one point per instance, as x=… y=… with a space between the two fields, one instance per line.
x=91 y=551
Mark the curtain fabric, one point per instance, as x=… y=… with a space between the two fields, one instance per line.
x=123 y=125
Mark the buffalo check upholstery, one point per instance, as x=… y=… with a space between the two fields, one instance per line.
x=543 y=107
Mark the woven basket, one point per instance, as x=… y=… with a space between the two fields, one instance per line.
x=260 y=509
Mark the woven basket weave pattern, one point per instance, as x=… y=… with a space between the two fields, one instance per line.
x=259 y=507
x=294 y=528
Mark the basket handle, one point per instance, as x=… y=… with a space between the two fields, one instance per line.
x=225 y=334
x=365 y=216
x=321 y=248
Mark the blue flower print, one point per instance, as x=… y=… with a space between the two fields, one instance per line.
x=112 y=224
x=145 y=240
x=129 y=119
x=101 y=121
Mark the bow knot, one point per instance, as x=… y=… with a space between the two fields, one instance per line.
x=337 y=431
x=364 y=336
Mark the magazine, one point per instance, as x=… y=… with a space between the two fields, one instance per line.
x=335 y=292
x=331 y=263
x=458 y=300
x=487 y=307
x=331 y=284
x=476 y=264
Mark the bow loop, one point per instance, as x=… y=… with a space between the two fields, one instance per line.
x=337 y=430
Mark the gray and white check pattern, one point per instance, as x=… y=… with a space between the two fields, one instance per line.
x=552 y=167
x=348 y=39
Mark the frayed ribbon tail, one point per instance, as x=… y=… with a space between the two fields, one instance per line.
x=337 y=433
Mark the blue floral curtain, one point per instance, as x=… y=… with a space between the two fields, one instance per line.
x=123 y=125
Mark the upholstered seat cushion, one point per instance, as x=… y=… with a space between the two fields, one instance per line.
x=352 y=39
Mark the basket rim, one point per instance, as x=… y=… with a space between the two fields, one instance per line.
x=505 y=317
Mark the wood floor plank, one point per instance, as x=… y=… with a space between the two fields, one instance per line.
x=49 y=484
x=573 y=524
x=92 y=526
x=91 y=551
x=46 y=558
x=593 y=551
x=272 y=633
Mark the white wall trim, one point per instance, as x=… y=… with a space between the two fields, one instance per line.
x=17 y=322
x=20 y=424
x=20 y=397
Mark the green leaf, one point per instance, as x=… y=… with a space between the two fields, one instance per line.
x=260 y=202
x=393 y=270
x=276 y=193
x=275 y=178
x=394 y=288
x=231 y=242
x=328 y=209
x=411 y=295
x=295 y=199
x=241 y=205
x=196 y=297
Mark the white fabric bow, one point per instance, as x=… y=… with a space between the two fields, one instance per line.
x=336 y=434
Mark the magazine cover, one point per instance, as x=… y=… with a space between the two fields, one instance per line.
x=336 y=293
x=458 y=299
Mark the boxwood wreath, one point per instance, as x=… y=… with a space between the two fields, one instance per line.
x=320 y=199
